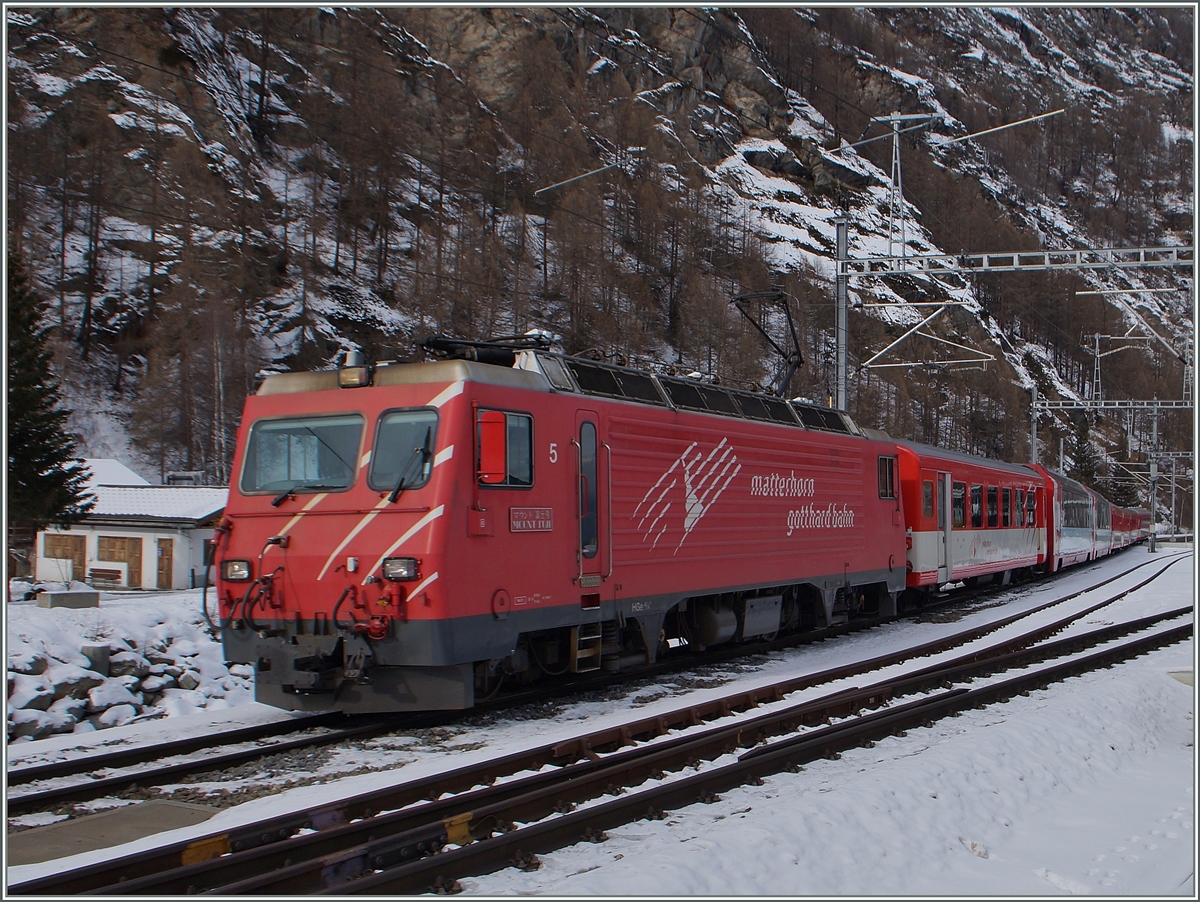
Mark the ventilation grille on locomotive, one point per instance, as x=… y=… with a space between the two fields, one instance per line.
x=686 y=394
x=598 y=379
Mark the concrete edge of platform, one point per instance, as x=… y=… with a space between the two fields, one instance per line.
x=102 y=830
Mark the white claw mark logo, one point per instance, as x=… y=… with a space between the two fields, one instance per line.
x=704 y=480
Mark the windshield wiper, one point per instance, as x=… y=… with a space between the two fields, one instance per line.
x=291 y=492
x=423 y=453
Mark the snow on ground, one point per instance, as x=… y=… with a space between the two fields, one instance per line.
x=1085 y=787
x=161 y=662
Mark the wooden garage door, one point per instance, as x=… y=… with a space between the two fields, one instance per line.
x=127 y=549
x=71 y=548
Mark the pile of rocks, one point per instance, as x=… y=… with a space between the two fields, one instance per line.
x=116 y=683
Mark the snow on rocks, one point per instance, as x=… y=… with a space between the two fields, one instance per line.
x=137 y=657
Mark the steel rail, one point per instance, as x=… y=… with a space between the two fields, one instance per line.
x=140 y=781
x=467 y=819
x=125 y=757
x=328 y=819
x=98 y=788
x=519 y=847
x=25 y=803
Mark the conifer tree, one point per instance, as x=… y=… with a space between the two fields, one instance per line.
x=46 y=479
x=1085 y=463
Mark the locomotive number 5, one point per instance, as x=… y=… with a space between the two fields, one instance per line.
x=554 y=452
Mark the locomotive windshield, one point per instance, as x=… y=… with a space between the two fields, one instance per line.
x=302 y=454
x=403 y=443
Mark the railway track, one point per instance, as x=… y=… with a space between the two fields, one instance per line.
x=121 y=773
x=108 y=774
x=103 y=780
x=355 y=849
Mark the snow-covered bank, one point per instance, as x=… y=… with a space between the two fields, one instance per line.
x=151 y=656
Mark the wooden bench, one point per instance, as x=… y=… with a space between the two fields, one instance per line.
x=104 y=579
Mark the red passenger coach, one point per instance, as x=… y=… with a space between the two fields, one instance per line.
x=406 y=537
x=968 y=517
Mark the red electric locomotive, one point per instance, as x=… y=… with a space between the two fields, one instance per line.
x=406 y=537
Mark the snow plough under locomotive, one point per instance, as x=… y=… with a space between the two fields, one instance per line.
x=409 y=536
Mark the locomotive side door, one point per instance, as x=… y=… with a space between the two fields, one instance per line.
x=594 y=551
x=945 y=564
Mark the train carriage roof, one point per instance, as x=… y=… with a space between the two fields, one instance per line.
x=1023 y=470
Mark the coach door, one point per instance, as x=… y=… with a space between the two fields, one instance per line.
x=591 y=479
x=945 y=559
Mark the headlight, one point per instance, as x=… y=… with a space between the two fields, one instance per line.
x=235 y=571
x=354 y=377
x=399 y=569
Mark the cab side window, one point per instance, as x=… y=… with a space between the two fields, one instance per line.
x=887 y=477
x=504 y=448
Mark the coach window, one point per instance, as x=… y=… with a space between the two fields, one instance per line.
x=958 y=499
x=976 y=506
x=1019 y=508
x=887 y=477
x=1031 y=509
x=927 y=499
x=1006 y=506
x=993 y=512
x=504 y=449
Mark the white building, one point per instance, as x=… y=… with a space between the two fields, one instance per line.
x=138 y=536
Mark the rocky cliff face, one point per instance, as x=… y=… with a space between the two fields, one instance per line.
x=208 y=192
